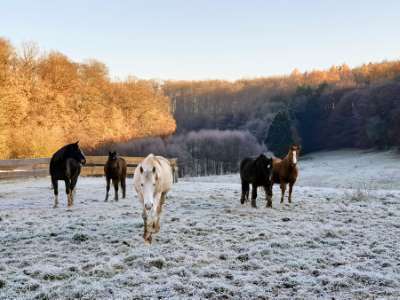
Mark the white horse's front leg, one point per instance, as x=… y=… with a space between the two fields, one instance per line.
x=146 y=232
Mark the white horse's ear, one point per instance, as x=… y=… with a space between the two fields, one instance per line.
x=141 y=169
x=154 y=169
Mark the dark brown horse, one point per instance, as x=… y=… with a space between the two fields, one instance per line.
x=66 y=165
x=257 y=172
x=115 y=170
x=285 y=170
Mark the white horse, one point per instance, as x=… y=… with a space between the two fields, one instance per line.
x=152 y=180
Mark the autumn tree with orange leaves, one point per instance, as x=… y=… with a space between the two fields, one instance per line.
x=48 y=100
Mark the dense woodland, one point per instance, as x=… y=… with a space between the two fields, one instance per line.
x=47 y=100
x=332 y=109
x=252 y=104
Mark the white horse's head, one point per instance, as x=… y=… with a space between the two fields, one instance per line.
x=149 y=186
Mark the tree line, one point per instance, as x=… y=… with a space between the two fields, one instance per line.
x=220 y=122
x=199 y=153
x=329 y=109
x=47 y=100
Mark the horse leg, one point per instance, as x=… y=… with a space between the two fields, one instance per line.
x=146 y=235
x=73 y=190
x=115 y=184
x=283 y=189
x=290 y=191
x=107 y=188
x=68 y=191
x=162 y=201
x=268 y=194
x=159 y=210
x=245 y=192
x=157 y=225
x=123 y=186
x=253 y=195
x=55 y=187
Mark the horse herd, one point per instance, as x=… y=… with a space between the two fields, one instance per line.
x=153 y=179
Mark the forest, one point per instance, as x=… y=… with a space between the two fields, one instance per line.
x=321 y=110
x=47 y=100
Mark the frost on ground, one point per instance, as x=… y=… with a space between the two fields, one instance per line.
x=338 y=239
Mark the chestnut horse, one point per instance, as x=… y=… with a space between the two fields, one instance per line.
x=285 y=170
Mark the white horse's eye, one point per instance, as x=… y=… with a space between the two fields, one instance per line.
x=141 y=184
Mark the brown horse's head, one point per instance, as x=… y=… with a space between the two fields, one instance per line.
x=293 y=155
x=112 y=155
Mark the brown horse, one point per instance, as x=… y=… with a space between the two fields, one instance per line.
x=115 y=170
x=285 y=170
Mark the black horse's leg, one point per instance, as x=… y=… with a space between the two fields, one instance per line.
x=73 y=186
x=245 y=192
x=68 y=191
x=55 y=187
x=107 y=188
x=123 y=186
x=268 y=194
x=115 y=184
x=253 y=195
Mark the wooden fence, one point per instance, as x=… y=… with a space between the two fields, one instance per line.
x=37 y=167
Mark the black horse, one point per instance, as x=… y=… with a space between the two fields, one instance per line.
x=66 y=165
x=257 y=172
x=115 y=170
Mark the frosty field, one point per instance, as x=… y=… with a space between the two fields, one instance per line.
x=339 y=238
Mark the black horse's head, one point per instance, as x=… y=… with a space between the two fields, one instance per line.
x=73 y=151
x=112 y=155
x=264 y=166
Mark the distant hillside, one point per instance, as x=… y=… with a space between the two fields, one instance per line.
x=220 y=122
x=48 y=100
x=339 y=107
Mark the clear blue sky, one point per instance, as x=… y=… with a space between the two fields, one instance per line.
x=227 y=39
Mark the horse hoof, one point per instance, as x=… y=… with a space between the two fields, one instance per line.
x=55 y=206
x=148 y=241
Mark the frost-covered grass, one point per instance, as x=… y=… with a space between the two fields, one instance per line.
x=338 y=239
